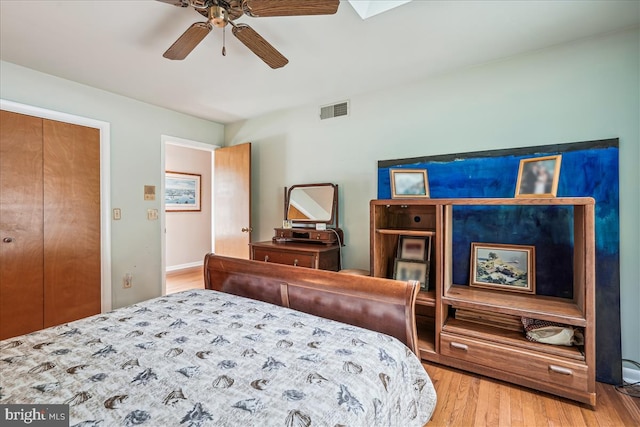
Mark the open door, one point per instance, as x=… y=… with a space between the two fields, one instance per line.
x=232 y=200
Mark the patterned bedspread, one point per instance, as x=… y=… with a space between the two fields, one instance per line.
x=204 y=358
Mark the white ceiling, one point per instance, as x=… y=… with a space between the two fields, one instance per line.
x=117 y=45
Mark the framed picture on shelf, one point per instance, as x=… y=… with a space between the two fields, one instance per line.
x=407 y=269
x=414 y=248
x=538 y=177
x=503 y=267
x=182 y=192
x=409 y=183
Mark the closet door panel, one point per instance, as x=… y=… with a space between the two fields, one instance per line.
x=21 y=232
x=71 y=222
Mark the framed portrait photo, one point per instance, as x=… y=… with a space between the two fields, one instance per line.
x=416 y=248
x=182 y=192
x=407 y=269
x=503 y=267
x=409 y=183
x=538 y=177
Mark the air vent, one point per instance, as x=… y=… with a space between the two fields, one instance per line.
x=334 y=110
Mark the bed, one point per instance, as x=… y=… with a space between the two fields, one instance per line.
x=248 y=350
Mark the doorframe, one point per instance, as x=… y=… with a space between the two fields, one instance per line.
x=188 y=143
x=105 y=183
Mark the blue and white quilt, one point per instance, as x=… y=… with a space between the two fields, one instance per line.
x=205 y=358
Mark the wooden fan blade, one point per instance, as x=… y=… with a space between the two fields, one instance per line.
x=188 y=41
x=261 y=8
x=179 y=3
x=259 y=46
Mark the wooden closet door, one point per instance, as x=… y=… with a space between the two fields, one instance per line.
x=71 y=222
x=21 y=230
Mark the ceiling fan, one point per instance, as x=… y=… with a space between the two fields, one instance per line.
x=219 y=13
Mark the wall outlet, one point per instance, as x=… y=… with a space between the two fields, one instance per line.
x=127 y=280
x=152 y=214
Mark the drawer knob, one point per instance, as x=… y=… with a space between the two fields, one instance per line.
x=295 y=262
x=266 y=258
x=560 y=370
x=459 y=346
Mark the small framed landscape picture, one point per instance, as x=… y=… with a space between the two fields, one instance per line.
x=409 y=183
x=407 y=269
x=503 y=267
x=182 y=192
x=414 y=248
x=538 y=177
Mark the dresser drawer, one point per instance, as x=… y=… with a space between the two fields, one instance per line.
x=519 y=362
x=300 y=259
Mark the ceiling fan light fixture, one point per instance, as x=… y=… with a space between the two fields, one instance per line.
x=220 y=13
x=219 y=16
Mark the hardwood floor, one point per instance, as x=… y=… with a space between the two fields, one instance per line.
x=466 y=399
x=182 y=280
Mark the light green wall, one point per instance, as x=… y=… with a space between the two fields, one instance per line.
x=586 y=90
x=136 y=129
x=581 y=91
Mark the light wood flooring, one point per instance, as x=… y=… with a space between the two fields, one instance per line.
x=182 y=280
x=472 y=400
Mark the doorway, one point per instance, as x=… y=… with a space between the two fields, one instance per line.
x=188 y=234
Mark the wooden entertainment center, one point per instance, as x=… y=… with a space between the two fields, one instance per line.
x=490 y=350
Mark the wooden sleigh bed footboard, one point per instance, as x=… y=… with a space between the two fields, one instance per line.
x=378 y=304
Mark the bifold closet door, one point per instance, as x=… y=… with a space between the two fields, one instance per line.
x=49 y=223
x=71 y=222
x=21 y=224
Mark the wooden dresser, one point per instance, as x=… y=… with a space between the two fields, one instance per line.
x=310 y=255
x=309 y=236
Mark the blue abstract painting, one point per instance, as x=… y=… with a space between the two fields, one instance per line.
x=588 y=169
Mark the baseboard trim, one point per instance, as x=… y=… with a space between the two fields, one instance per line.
x=183 y=266
x=631 y=375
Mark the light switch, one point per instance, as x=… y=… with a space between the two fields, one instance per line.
x=152 y=214
x=117 y=214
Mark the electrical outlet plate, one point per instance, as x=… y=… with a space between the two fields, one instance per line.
x=127 y=280
x=152 y=214
x=117 y=214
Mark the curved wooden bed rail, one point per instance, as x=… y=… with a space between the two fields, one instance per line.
x=382 y=305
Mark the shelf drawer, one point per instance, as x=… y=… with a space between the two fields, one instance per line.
x=300 y=259
x=519 y=362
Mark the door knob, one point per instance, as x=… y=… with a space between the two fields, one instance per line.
x=7 y=239
x=247 y=229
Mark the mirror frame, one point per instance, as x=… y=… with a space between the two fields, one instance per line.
x=331 y=222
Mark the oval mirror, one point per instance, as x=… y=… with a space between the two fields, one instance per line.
x=311 y=203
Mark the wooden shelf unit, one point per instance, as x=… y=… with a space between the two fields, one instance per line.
x=487 y=350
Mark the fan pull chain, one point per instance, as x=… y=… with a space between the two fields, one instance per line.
x=224 y=49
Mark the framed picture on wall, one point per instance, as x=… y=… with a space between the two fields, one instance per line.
x=182 y=192
x=409 y=183
x=503 y=267
x=538 y=177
